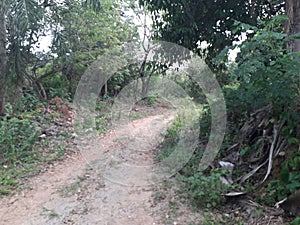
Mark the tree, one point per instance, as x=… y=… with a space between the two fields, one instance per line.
x=293 y=24
x=20 y=24
x=81 y=34
x=2 y=56
x=190 y=22
x=293 y=27
x=78 y=33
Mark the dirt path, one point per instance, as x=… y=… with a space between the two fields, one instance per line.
x=107 y=184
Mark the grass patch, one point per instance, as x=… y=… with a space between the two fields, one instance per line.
x=170 y=140
x=70 y=190
x=203 y=189
x=50 y=213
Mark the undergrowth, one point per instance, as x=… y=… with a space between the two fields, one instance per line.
x=205 y=190
x=197 y=185
x=27 y=142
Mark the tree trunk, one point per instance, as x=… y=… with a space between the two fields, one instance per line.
x=293 y=25
x=2 y=58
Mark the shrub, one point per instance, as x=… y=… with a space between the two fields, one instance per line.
x=288 y=181
x=206 y=190
x=17 y=138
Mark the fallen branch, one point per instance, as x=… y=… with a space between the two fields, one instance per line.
x=252 y=172
x=271 y=153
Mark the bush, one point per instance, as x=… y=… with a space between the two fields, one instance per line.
x=288 y=181
x=206 y=190
x=149 y=100
x=17 y=138
x=103 y=117
x=170 y=140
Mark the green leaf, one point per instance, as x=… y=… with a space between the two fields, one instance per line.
x=296 y=221
x=295 y=36
x=293 y=140
x=284 y=176
x=281 y=17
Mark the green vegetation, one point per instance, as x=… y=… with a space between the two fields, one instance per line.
x=209 y=219
x=50 y=213
x=103 y=118
x=70 y=190
x=288 y=181
x=28 y=140
x=200 y=191
x=17 y=139
x=170 y=140
x=261 y=86
x=296 y=221
x=37 y=83
x=261 y=89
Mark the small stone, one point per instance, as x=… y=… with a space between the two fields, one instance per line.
x=42 y=136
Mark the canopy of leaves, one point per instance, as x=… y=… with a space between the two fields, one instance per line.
x=81 y=34
x=265 y=70
x=24 y=23
x=80 y=30
x=190 y=22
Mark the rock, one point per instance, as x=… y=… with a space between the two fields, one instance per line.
x=42 y=136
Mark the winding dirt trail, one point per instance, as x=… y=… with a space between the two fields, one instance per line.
x=109 y=183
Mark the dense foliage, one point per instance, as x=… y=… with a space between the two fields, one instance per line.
x=45 y=47
x=261 y=88
x=49 y=45
x=189 y=23
x=261 y=85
